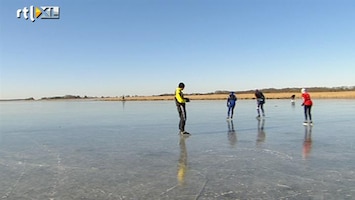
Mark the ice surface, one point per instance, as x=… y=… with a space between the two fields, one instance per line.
x=131 y=150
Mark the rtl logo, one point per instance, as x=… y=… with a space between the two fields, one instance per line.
x=42 y=12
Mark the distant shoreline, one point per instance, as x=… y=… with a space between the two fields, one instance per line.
x=240 y=96
x=245 y=96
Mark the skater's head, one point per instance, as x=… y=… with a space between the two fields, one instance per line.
x=181 y=85
x=303 y=90
x=231 y=93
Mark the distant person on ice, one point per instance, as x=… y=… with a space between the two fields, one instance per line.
x=307 y=103
x=293 y=98
x=231 y=104
x=181 y=107
x=260 y=100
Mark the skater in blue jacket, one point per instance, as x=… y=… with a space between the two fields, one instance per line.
x=231 y=104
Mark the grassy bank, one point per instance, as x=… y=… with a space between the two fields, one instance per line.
x=283 y=95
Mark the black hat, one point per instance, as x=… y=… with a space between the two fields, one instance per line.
x=181 y=85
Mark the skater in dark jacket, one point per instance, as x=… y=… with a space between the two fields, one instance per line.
x=260 y=100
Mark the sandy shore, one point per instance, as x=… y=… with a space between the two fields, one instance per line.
x=314 y=95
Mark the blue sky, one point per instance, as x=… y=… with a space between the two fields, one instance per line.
x=146 y=47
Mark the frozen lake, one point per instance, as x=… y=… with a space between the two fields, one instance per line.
x=94 y=150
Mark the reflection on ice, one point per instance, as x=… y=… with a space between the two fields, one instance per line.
x=307 y=144
x=261 y=133
x=232 y=135
x=182 y=166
